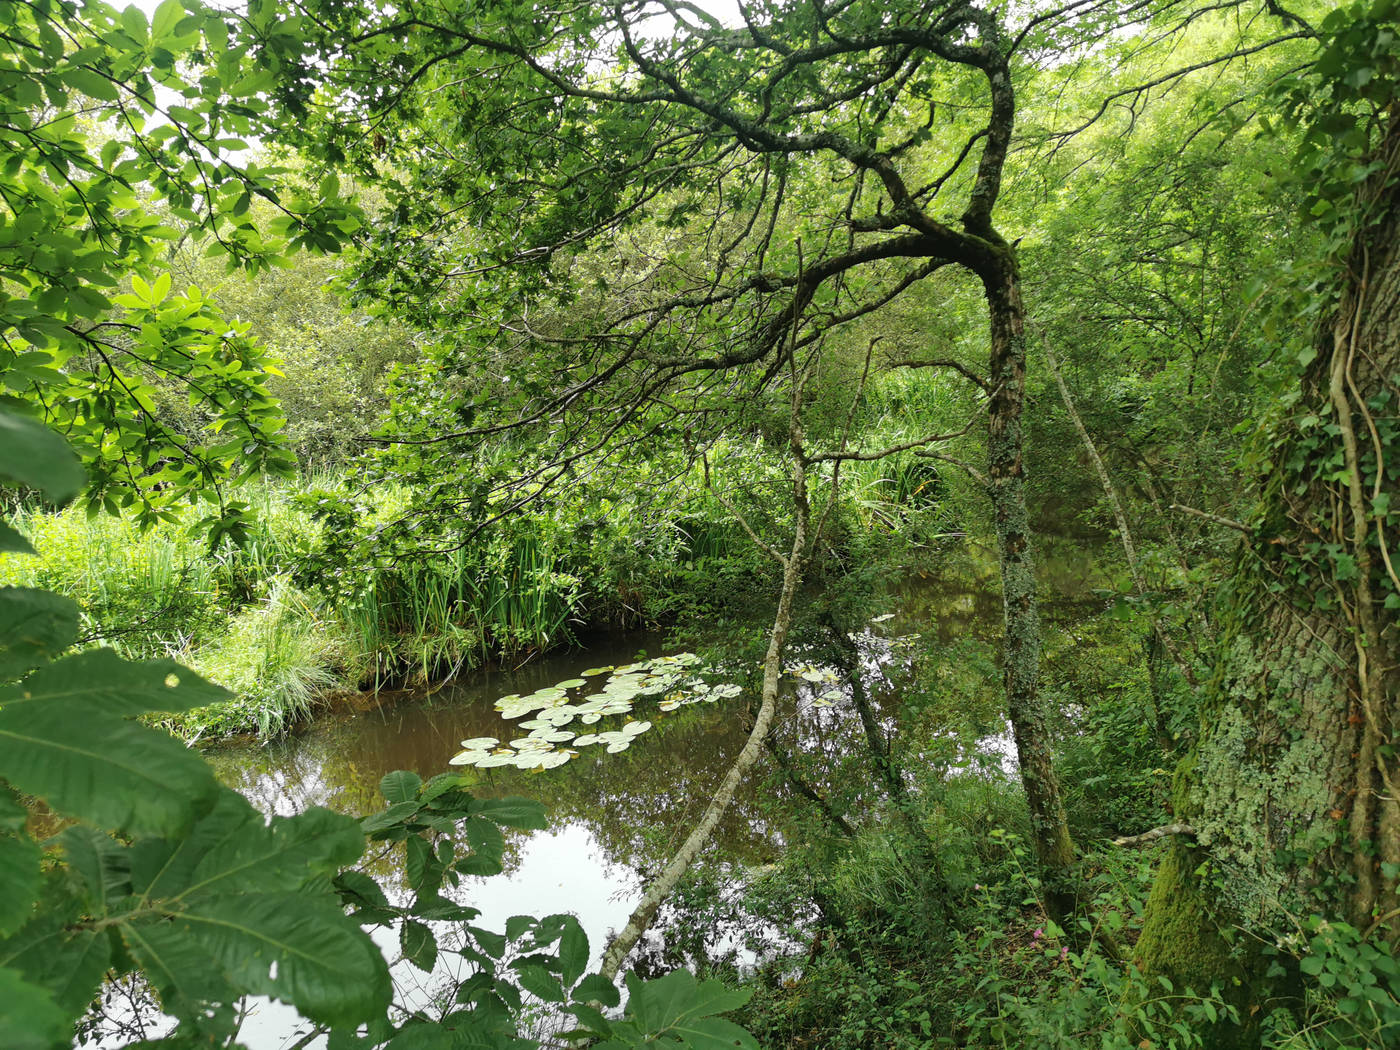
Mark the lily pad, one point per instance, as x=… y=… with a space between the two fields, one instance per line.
x=571 y=683
x=554 y=736
x=618 y=745
x=480 y=743
x=636 y=728
x=468 y=758
x=496 y=759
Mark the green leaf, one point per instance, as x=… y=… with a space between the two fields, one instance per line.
x=400 y=786
x=538 y=981
x=178 y=967
x=573 y=951
x=103 y=865
x=362 y=889
x=68 y=964
x=389 y=818
x=13 y=542
x=667 y=1001
x=714 y=1033
x=1311 y=964
x=425 y=1037
x=100 y=684
x=30 y=1020
x=418 y=944
x=19 y=881
x=35 y=627
x=493 y=944
x=167 y=17
x=281 y=855
x=31 y=454
x=597 y=988
x=326 y=965
x=108 y=771
x=513 y=812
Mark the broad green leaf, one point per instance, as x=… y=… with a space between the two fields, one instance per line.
x=19 y=881
x=30 y=1020
x=573 y=951
x=177 y=966
x=281 y=855
x=13 y=815
x=390 y=817
x=13 y=542
x=513 y=812
x=538 y=981
x=103 y=865
x=418 y=944
x=419 y=863
x=493 y=944
x=67 y=963
x=168 y=15
x=99 y=683
x=110 y=772
x=400 y=786
x=428 y=1037
x=33 y=455
x=485 y=838
x=713 y=1033
x=35 y=627
x=326 y=965
x=362 y=888
x=664 y=1002
x=597 y=988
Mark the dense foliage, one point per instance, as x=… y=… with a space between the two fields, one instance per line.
x=395 y=341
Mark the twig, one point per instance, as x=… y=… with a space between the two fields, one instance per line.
x=1155 y=834
x=1229 y=523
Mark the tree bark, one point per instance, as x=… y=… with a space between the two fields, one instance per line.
x=1006 y=488
x=1292 y=785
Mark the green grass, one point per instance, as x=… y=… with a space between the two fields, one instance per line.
x=266 y=623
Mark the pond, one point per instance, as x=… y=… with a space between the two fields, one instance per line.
x=614 y=817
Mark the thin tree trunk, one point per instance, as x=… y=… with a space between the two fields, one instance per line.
x=793 y=564
x=1120 y=516
x=1006 y=487
x=806 y=790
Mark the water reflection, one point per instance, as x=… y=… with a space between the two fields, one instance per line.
x=615 y=818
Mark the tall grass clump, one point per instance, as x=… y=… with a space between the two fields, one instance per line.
x=141 y=592
x=275 y=657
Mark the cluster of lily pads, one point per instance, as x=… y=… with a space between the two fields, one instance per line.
x=551 y=709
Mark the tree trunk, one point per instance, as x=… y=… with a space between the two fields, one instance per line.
x=1006 y=487
x=1292 y=786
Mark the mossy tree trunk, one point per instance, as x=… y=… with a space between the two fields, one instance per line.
x=1292 y=786
x=1006 y=487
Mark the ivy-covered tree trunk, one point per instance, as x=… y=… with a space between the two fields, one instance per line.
x=1292 y=786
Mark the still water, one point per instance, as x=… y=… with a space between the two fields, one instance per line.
x=614 y=818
